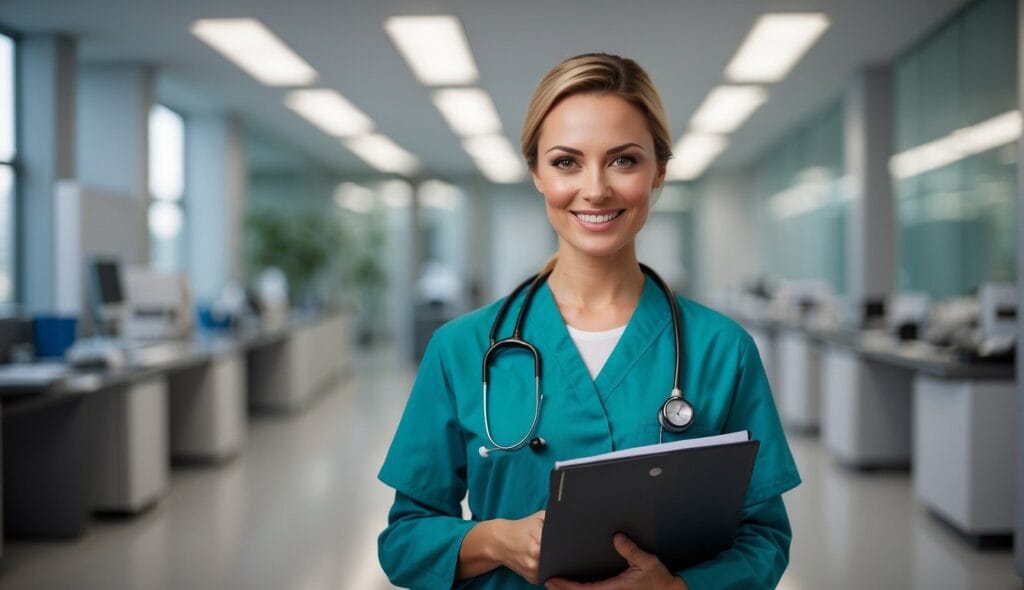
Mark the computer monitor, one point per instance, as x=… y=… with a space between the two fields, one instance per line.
x=107 y=292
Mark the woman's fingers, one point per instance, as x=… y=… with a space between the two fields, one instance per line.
x=632 y=552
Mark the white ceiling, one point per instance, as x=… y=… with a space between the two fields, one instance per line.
x=683 y=44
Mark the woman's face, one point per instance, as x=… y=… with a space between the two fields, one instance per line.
x=596 y=168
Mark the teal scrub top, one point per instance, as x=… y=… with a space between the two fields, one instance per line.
x=434 y=461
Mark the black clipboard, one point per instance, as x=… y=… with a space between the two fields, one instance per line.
x=681 y=504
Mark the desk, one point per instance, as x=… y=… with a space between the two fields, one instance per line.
x=285 y=374
x=965 y=452
x=103 y=440
x=798 y=379
x=889 y=403
x=886 y=403
x=866 y=402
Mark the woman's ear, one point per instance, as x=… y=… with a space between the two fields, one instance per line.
x=536 y=179
x=659 y=180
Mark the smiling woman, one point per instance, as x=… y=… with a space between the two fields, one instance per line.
x=597 y=146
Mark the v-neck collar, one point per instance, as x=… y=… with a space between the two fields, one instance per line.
x=544 y=323
x=648 y=321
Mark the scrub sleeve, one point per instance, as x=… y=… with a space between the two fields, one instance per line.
x=760 y=551
x=426 y=465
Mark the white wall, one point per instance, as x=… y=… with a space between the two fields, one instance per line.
x=521 y=237
x=728 y=247
x=660 y=245
x=215 y=193
x=113 y=128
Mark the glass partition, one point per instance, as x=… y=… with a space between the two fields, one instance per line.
x=800 y=204
x=956 y=125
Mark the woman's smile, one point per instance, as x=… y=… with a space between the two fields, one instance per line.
x=598 y=220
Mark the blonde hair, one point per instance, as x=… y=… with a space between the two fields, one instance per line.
x=599 y=73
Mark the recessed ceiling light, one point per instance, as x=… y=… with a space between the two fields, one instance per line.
x=693 y=154
x=468 y=111
x=775 y=45
x=494 y=156
x=383 y=154
x=252 y=47
x=330 y=111
x=727 y=107
x=435 y=47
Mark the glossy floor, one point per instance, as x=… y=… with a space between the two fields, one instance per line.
x=301 y=507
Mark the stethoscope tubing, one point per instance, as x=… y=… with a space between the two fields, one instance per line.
x=516 y=341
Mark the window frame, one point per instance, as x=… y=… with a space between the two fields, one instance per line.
x=11 y=308
x=180 y=203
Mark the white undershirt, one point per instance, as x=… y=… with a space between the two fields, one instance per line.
x=595 y=347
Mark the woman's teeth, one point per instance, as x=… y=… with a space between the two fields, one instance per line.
x=587 y=218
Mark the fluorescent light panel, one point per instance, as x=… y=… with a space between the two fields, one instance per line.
x=330 y=111
x=693 y=154
x=962 y=143
x=354 y=197
x=253 y=47
x=435 y=47
x=395 y=193
x=727 y=107
x=494 y=156
x=468 y=111
x=383 y=154
x=438 y=194
x=775 y=45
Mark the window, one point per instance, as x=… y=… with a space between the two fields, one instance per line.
x=166 y=188
x=8 y=171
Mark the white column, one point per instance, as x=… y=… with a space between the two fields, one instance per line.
x=728 y=246
x=871 y=224
x=215 y=197
x=46 y=96
x=113 y=128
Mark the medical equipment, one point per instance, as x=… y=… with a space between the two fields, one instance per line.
x=675 y=415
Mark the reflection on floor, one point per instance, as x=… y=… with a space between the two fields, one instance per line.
x=301 y=507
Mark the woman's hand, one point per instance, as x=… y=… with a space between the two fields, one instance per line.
x=514 y=544
x=518 y=545
x=645 y=571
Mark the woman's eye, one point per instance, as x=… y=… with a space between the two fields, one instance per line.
x=624 y=161
x=562 y=163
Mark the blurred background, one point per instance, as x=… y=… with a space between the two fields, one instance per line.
x=227 y=231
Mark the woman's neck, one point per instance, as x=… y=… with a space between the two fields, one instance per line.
x=596 y=293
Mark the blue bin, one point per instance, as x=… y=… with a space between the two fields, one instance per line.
x=53 y=335
x=213 y=322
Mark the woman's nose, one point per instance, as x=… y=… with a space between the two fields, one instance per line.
x=596 y=186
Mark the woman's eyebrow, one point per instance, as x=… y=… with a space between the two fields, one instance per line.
x=566 y=149
x=614 y=150
x=623 y=148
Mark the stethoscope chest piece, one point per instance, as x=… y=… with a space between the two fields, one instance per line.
x=676 y=414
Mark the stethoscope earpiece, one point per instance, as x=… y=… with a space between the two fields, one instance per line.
x=538 y=444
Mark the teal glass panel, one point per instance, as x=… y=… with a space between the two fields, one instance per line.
x=956 y=217
x=801 y=212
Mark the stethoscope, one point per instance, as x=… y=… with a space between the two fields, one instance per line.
x=675 y=415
